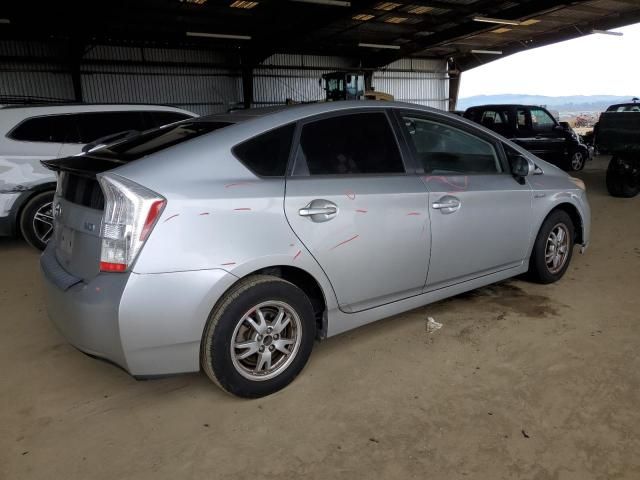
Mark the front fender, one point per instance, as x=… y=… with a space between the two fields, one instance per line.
x=566 y=200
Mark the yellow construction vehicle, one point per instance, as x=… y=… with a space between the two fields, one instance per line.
x=349 y=86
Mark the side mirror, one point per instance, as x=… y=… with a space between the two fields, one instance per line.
x=521 y=167
x=565 y=125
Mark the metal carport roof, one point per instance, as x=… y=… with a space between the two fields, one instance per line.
x=405 y=28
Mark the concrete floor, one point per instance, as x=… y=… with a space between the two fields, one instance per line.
x=522 y=381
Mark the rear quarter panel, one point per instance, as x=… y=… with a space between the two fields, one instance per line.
x=219 y=215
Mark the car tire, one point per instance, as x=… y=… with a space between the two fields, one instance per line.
x=248 y=315
x=36 y=220
x=622 y=180
x=551 y=254
x=576 y=161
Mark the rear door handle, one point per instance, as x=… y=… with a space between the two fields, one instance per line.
x=447 y=204
x=307 y=212
x=319 y=210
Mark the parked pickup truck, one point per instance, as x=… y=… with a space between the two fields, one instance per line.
x=618 y=133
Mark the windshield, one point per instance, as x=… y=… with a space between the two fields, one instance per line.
x=632 y=107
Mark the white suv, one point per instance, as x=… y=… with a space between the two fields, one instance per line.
x=29 y=134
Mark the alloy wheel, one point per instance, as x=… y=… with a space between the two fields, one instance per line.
x=266 y=340
x=577 y=161
x=43 y=222
x=557 y=248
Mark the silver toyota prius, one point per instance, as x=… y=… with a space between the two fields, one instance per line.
x=229 y=243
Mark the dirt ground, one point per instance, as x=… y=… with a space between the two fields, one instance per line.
x=522 y=381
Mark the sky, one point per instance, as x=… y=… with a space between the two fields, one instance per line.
x=591 y=65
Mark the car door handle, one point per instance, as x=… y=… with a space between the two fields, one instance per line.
x=319 y=210
x=307 y=212
x=447 y=204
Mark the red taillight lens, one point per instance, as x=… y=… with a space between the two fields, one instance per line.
x=152 y=216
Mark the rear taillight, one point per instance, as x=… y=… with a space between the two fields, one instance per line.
x=130 y=213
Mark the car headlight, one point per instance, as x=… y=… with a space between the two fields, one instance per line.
x=578 y=183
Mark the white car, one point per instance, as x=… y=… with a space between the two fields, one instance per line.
x=29 y=134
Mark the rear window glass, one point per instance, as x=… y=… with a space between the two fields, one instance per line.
x=267 y=154
x=156 y=140
x=49 y=128
x=164 y=118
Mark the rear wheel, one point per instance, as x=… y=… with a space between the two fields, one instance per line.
x=623 y=177
x=36 y=220
x=259 y=337
x=553 y=248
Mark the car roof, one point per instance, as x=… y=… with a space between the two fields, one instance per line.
x=36 y=110
x=505 y=105
x=290 y=113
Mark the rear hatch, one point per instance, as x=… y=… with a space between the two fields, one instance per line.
x=79 y=203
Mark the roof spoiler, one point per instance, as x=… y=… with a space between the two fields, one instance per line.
x=82 y=165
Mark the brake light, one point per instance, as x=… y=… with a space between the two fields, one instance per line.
x=112 y=267
x=130 y=213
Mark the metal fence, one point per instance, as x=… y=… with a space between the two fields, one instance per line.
x=416 y=80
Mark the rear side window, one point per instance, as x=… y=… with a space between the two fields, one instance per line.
x=49 y=128
x=361 y=143
x=165 y=118
x=267 y=154
x=95 y=125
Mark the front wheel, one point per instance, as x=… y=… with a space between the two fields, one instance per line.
x=553 y=248
x=576 y=161
x=36 y=220
x=623 y=177
x=259 y=337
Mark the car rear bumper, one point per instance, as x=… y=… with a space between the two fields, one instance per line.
x=148 y=324
x=86 y=314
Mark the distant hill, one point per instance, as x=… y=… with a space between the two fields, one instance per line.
x=574 y=103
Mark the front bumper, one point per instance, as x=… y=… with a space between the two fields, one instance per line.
x=8 y=214
x=7 y=227
x=148 y=324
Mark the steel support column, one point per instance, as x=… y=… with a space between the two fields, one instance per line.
x=247 y=86
x=455 y=76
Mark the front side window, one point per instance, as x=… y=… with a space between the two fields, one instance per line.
x=49 y=128
x=361 y=143
x=442 y=149
x=267 y=154
x=541 y=120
